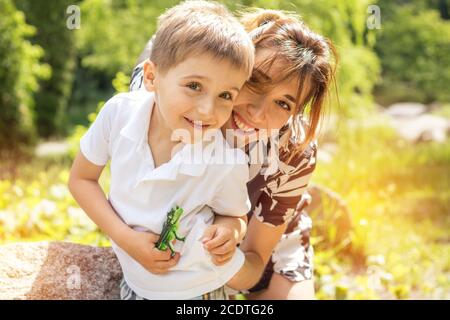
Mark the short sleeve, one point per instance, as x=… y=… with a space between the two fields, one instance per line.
x=95 y=143
x=137 y=76
x=284 y=191
x=231 y=197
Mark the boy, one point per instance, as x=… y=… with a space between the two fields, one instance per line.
x=201 y=58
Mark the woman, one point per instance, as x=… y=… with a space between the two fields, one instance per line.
x=291 y=78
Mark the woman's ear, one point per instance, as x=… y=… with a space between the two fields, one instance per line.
x=149 y=75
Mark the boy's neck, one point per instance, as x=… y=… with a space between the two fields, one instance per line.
x=158 y=128
x=159 y=139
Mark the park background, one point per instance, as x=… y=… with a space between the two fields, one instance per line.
x=384 y=151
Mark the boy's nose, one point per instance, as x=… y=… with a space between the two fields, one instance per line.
x=206 y=111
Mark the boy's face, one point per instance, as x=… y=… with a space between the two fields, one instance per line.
x=195 y=95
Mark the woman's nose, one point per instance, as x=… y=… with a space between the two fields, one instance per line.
x=257 y=112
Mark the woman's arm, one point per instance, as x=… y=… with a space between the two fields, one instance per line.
x=257 y=246
x=238 y=225
x=277 y=204
x=281 y=288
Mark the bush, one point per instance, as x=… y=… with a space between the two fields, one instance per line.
x=19 y=71
x=58 y=42
x=120 y=84
x=114 y=33
x=413 y=47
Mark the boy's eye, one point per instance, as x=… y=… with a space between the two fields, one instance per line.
x=226 y=96
x=194 y=86
x=283 y=105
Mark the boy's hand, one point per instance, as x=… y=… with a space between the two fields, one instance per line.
x=142 y=248
x=220 y=241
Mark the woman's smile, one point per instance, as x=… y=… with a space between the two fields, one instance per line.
x=242 y=126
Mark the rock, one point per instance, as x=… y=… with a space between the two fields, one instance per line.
x=414 y=125
x=52 y=148
x=423 y=128
x=326 y=153
x=58 y=270
x=406 y=110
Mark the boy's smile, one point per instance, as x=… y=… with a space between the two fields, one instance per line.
x=199 y=125
x=195 y=95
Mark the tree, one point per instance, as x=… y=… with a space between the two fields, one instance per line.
x=58 y=42
x=413 y=47
x=20 y=70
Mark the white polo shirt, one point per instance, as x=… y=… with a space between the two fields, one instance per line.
x=142 y=195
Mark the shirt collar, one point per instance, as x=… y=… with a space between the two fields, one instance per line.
x=136 y=128
x=188 y=161
x=191 y=160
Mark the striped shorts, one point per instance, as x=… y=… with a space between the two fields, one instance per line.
x=126 y=293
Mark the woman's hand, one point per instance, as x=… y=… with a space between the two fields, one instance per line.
x=220 y=241
x=141 y=246
x=257 y=246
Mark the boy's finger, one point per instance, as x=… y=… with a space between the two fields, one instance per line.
x=219 y=260
x=153 y=237
x=159 y=255
x=176 y=257
x=227 y=247
x=158 y=271
x=216 y=242
x=165 y=264
x=208 y=234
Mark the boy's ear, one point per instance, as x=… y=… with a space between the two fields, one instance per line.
x=149 y=75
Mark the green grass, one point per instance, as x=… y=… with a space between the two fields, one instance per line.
x=37 y=205
x=399 y=196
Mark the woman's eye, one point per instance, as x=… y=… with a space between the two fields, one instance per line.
x=226 y=96
x=283 y=105
x=253 y=79
x=194 y=86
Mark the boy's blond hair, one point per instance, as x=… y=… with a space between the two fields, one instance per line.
x=195 y=27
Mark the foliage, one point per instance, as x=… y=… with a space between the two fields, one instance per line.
x=20 y=69
x=398 y=196
x=413 y=47
x=114 y=32
x=58 y=42
x=120 y=84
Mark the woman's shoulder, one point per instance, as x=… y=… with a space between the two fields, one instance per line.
x=291 y=161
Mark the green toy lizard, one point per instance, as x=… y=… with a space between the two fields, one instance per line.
x=169 y=231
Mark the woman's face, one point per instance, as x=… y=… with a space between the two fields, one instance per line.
x=256 y=115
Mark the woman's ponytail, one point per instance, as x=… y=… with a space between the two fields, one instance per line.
x=255 y=18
